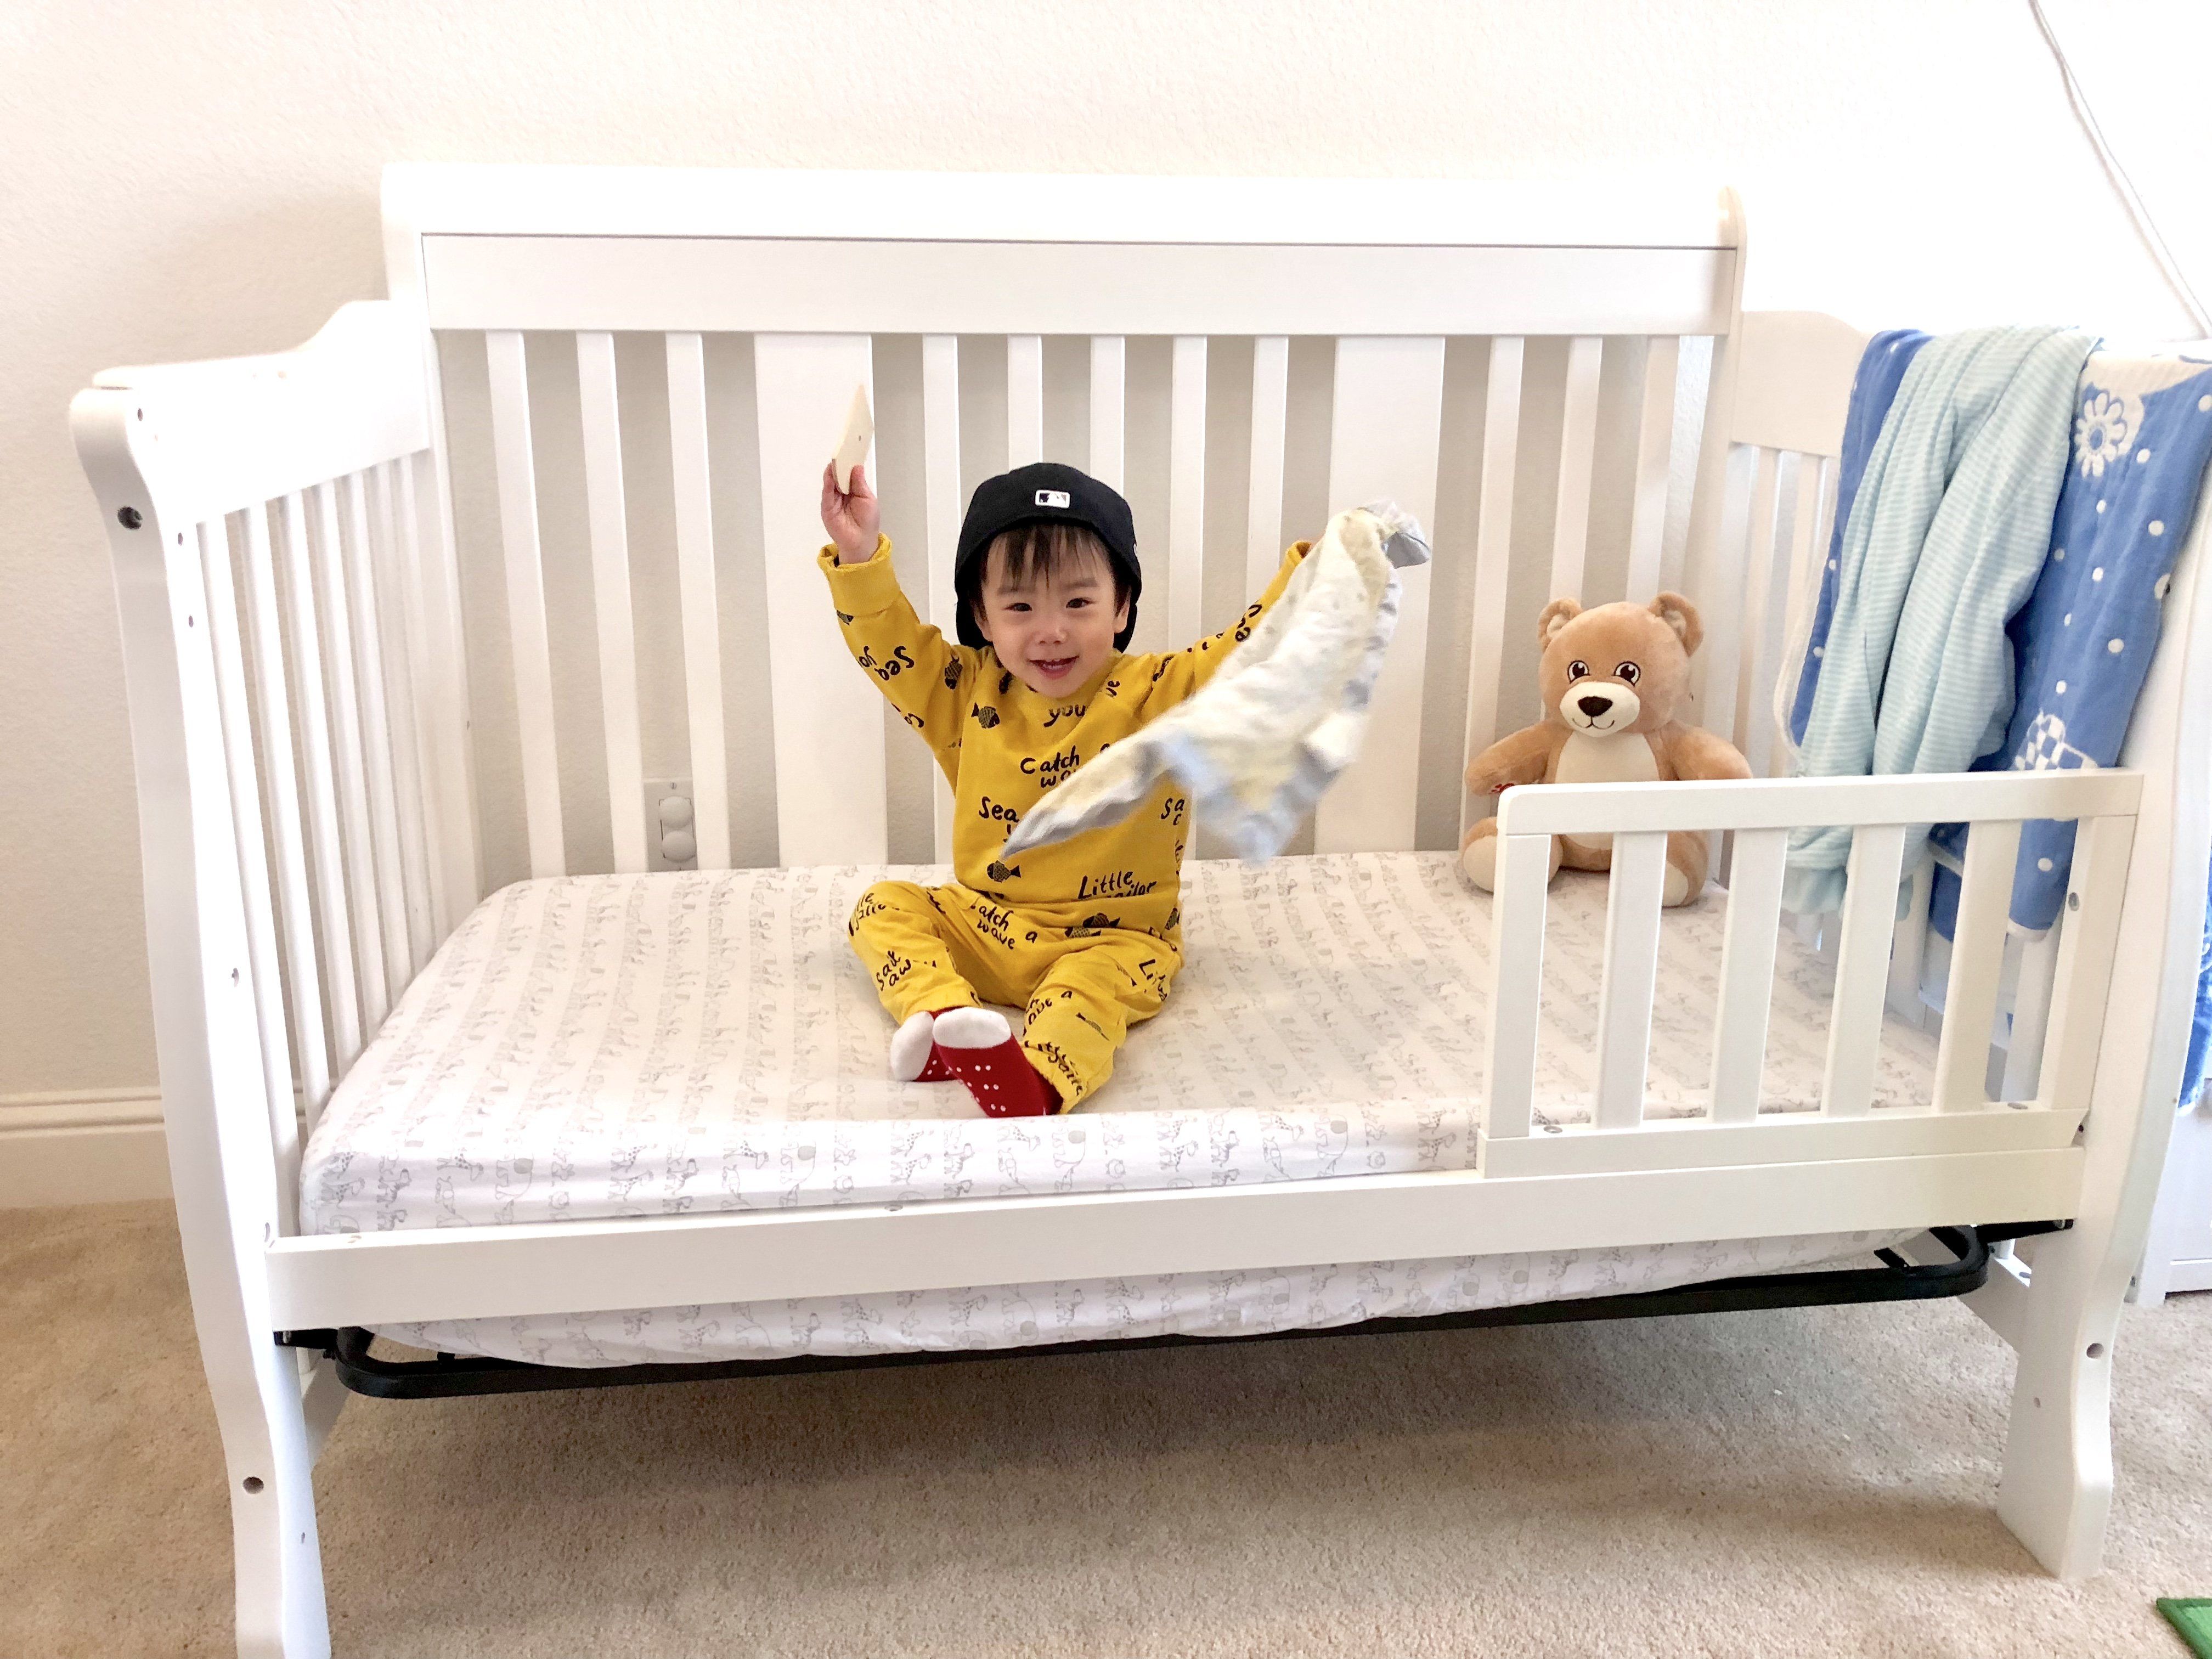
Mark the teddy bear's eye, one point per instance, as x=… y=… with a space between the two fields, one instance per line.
x=1577 y=670
x=1629 y=671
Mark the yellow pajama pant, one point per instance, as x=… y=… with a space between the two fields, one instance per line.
x=1080 y=987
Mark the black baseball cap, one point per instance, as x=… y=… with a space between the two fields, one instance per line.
x=1044 y=492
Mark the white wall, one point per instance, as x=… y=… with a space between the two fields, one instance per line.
x=199 y=180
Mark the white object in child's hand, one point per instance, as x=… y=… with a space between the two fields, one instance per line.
x=852 y=448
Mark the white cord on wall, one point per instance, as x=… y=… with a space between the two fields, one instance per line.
x=2122 y=185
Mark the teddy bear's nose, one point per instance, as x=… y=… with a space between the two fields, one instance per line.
x=1594 y=706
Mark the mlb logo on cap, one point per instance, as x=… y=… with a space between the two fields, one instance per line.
x=1052 y=498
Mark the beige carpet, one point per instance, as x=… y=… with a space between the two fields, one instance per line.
x=1814 y=1482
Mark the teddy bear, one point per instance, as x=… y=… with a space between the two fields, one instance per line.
x=1614 y=679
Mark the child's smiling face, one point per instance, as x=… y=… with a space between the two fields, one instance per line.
x=1054 y=625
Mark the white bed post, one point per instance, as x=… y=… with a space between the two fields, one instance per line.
x=2058 y=1485
x=222 y=1147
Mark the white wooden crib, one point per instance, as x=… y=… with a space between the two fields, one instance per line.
x=384 y=653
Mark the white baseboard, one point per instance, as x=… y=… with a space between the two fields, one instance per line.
x=88 y=1146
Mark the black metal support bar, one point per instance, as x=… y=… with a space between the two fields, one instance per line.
x=1896 y=1280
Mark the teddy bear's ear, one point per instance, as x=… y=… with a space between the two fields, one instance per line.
x=1554 y=617
x=1678 y=614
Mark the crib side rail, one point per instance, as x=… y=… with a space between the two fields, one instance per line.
x=1760 y=813
x=297 y=714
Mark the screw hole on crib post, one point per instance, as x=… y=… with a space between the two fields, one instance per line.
x=129 y=518
x=2073 y=901
x=251 y=1482
x=2096 y=1351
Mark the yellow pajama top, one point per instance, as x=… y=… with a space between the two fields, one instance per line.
x=1003 y=746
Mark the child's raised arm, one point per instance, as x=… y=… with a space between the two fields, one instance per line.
x=925 y=676
x=853 y=519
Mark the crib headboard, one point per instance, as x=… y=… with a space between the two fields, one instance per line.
x=642 y=369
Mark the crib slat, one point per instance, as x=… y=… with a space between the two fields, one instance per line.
x=351 y=765
x=1631 y=977
x=1186 y=489
x=942 y=506
x=1754 y=655
x=376 y=738
x=1493 y=547
x=606 y=511
x=446 y=699
x=1655 y=441
x=1577 y=450
x=322 y=790
x=236 y=715
x=1109 y=376
x=2031 y=1012
x=425 y=674
x=398 y=623
x=385 y=662
x=1877 y=860
x=292 y=901
x=1025 y=399
x=1384 y=429
x=1908 y=945
x=1754 y=924
x=1978 y=938
x=1774 y=571
x=828 y=715
x=1522 y=873
x=694 y=580
x=2075 y=1025
x=526 y=600
x=1728 y=614
x=1271 y=385
x=1809 y=545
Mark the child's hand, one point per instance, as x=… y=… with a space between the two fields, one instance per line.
x=853 y=519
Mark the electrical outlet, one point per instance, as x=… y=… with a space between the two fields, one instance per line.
x=672 y=838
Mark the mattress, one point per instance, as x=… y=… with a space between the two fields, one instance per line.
x=605 y=1046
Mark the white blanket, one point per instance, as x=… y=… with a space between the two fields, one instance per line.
x=1259 y=742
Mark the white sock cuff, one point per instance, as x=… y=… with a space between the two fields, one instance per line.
x=973 y=1028
x=910 y=1047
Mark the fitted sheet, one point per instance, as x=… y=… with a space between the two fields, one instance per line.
x=602 y=1046
x=605 y=1045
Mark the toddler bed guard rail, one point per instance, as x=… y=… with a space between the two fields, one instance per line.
x=584 y=434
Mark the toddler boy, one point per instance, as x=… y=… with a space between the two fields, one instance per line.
x=1085 y=935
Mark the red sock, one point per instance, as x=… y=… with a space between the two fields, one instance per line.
x=978 y=1047
x=911 y=1061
